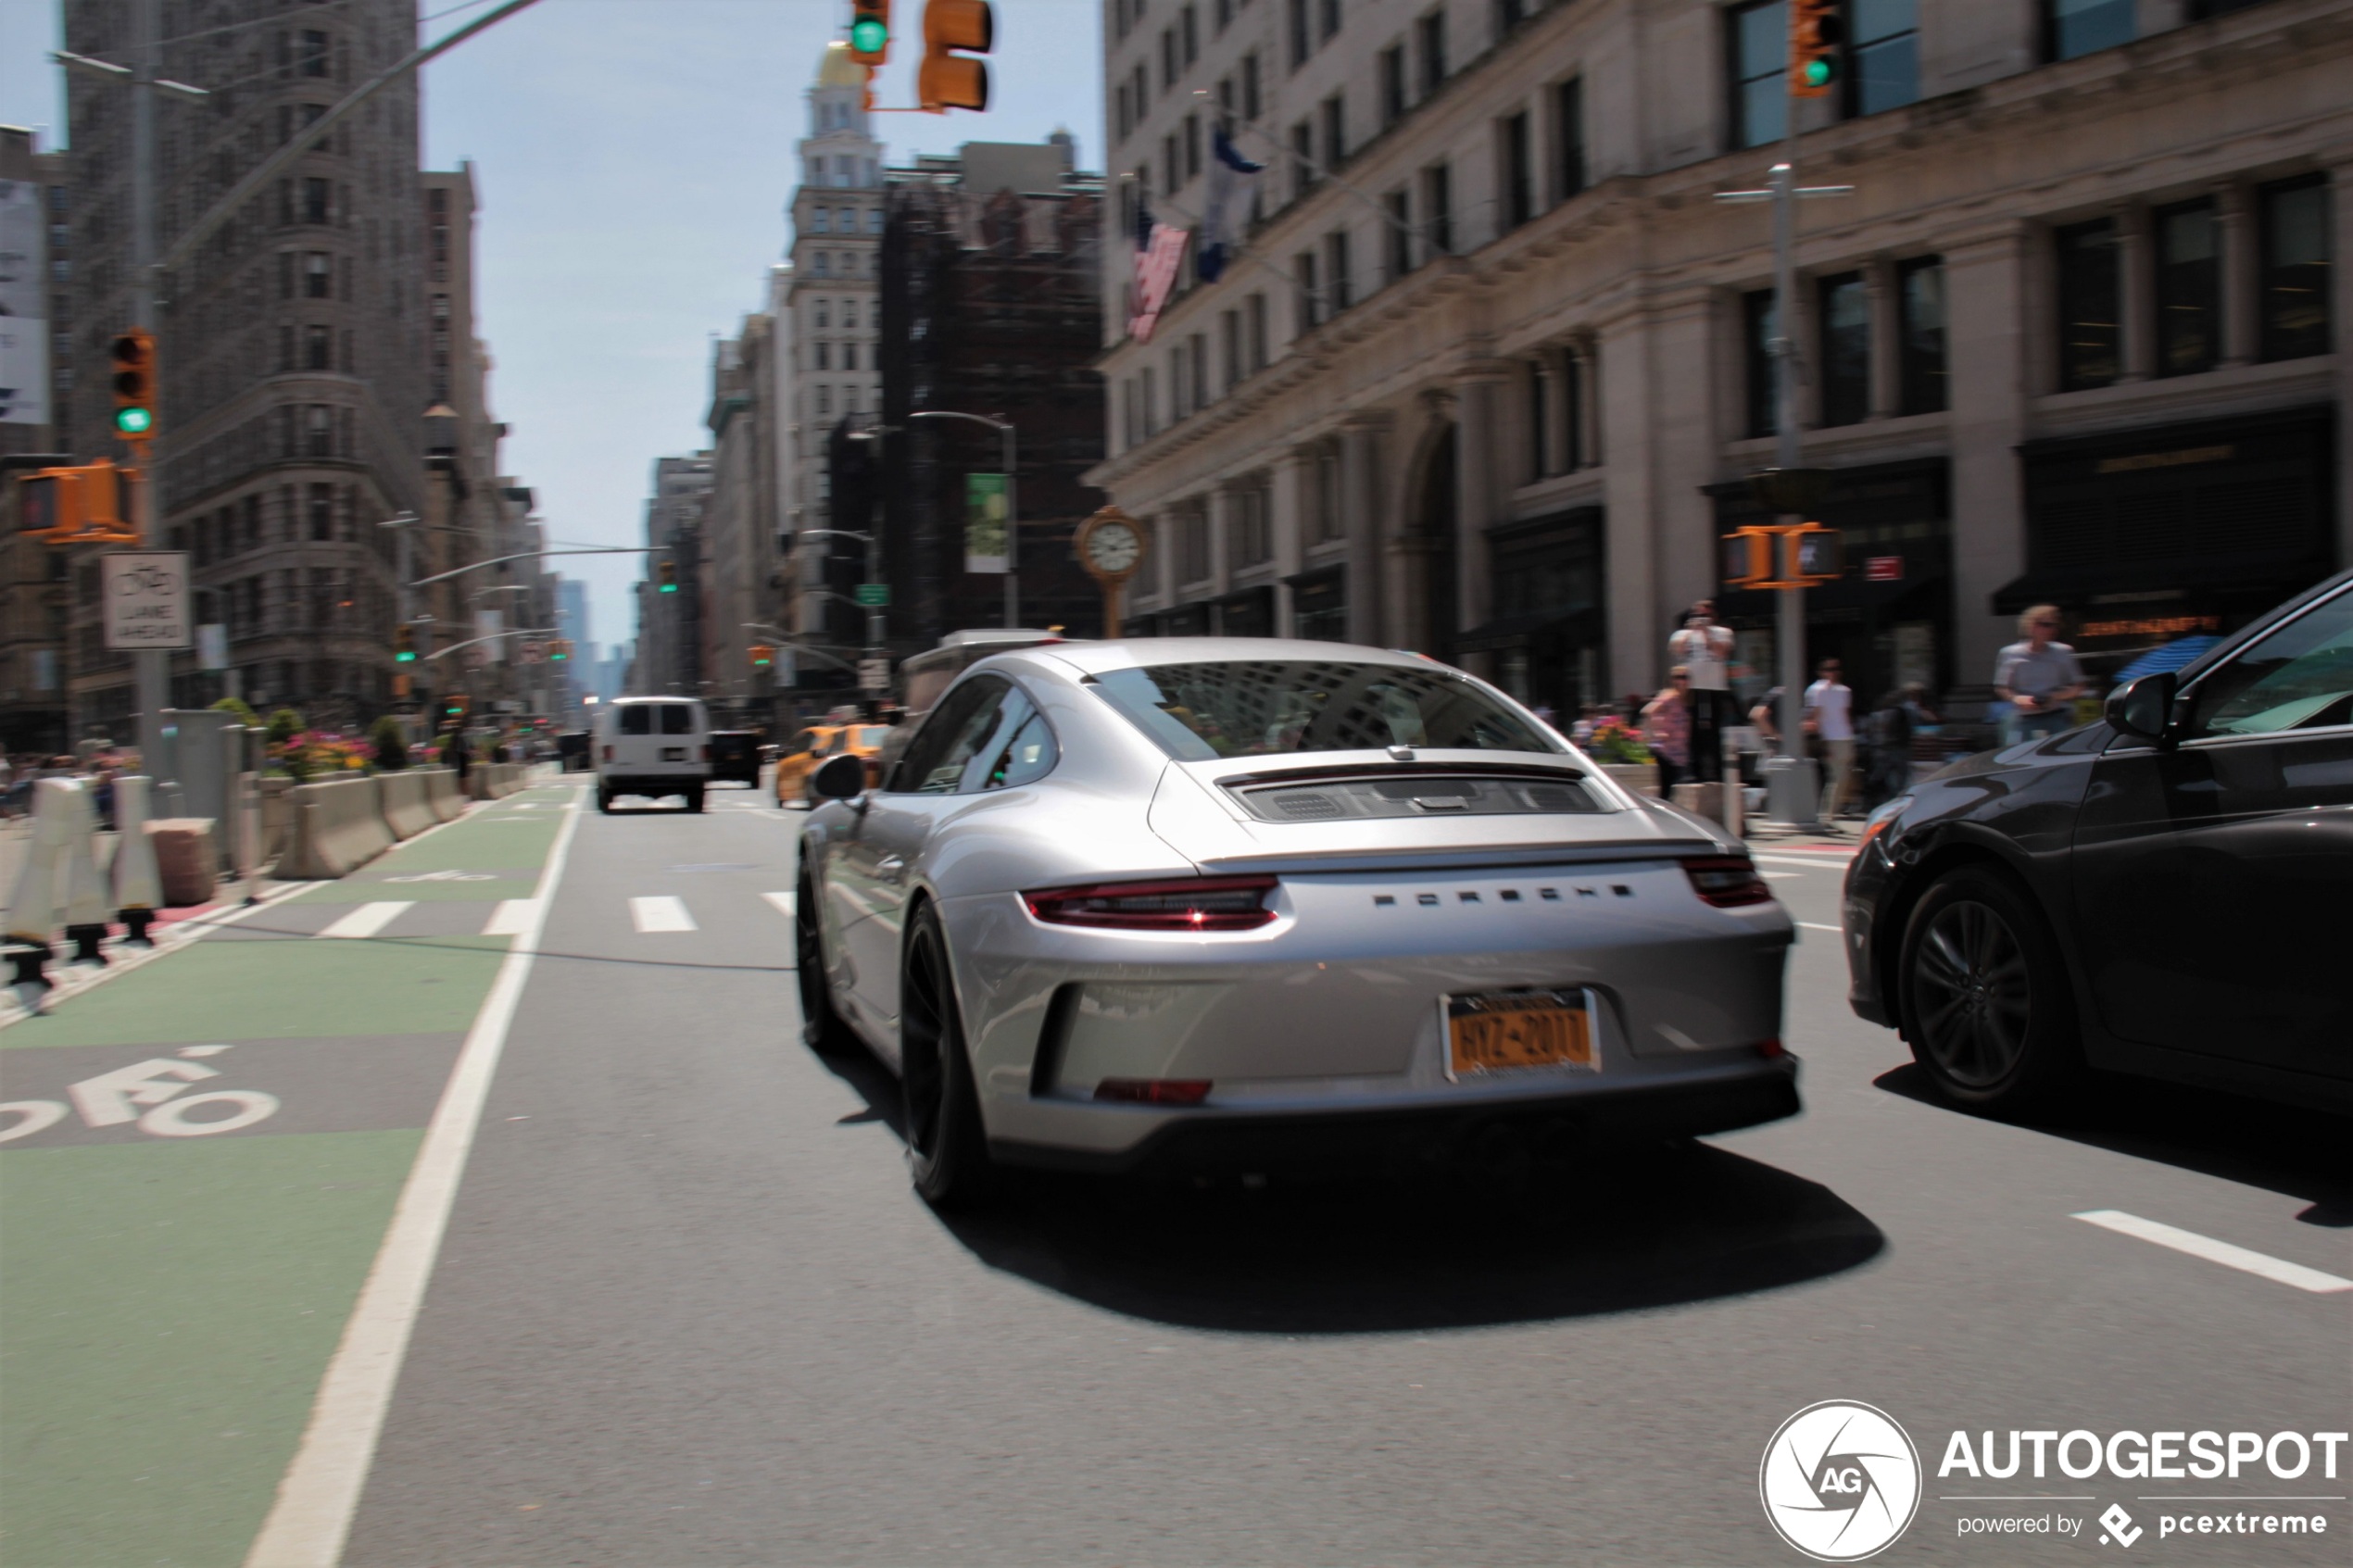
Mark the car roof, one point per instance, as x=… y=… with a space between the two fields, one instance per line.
x=1127 y=653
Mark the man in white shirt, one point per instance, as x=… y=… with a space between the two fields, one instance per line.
x=2036 y=681
x=1829 y=718
x=1705 y=649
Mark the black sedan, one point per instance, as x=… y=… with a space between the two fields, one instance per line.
x=2167 y=892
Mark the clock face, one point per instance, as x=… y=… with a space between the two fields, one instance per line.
x=1113 y=547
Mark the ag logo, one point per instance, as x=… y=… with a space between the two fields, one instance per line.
x=1839 y=1481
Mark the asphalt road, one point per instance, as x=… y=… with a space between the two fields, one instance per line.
x=687 y=1311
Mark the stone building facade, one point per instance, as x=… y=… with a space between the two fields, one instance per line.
x=1491 y=372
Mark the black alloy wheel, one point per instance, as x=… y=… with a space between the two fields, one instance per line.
x=822 y=1029
x=1985 y=998
x=947 y=1151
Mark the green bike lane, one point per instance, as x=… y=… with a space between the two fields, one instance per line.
x=199 y=1160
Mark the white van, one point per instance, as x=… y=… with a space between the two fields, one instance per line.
x=652 y=746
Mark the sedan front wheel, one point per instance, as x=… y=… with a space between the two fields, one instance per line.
x=1986 y=1002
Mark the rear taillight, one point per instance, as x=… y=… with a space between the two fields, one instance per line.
x=1771 y=1050
x=1209 y=903
x=1153 y=1091
x=1726 y=881
x=706 y=754
x=609 y=754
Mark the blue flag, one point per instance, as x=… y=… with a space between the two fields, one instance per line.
x=1233 y=179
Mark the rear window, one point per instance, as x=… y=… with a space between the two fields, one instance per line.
x=638 y=719
x=677 y=719
x=1274 y=707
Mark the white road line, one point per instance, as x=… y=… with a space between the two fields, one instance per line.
x=661 y=913
x=1795 y=860
x=369 y=919
x=1815 y=925
x=1778 y=876
x=784 y=902
x=320 y=1489
x=513 y=917
x=2215 y=1252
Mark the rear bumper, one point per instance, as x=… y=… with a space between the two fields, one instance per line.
x=1305 y=1144
x=651 y=784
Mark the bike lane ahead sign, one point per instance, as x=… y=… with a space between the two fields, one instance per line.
x=147 y=599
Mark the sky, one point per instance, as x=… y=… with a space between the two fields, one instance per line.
x=632 y=160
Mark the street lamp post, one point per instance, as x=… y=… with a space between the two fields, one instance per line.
x=877 y=645
x=1004 y=429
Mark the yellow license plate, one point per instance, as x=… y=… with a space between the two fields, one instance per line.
x=1503 y=1030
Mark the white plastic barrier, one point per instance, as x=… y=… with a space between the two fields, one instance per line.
x=407 y=811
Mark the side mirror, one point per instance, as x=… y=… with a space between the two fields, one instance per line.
x=2144 y=708
x=840 y=778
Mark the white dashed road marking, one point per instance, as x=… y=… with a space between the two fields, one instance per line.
x=2215 y=1252
x=513 y=917
x=661 y=913
x=1816 y=925
x=369 y=919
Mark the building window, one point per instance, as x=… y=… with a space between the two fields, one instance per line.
x=1296 y=29
x=321 y=510
x=1152 y=404
x=1335 y=119
x=1438 y=208
x=1883 y=56
x=1845 y=318
x=1757 y=328
x=824 y=268
x=1519 y=182
x=317 y=201
x=2296 y=262
x=1328 y=15
x=1539 y=413
x=1303 y=163
x=2189 y=292
x=1393 y=85
x=1573 y=454
x=1341 y=283
x=1432 y=31
x=314 y=54
x=1311 y=302
x=1251 y=541
x=318 y=430
x=874 y=221
x=1759 y=55
x=1192 y=545
x=1509 y=14
x=1920 y=304
x=1121 y=118
x=825 y=356
x=1189 y=21
x=1171 y=172
x=1251 y=100
x=2079 y=27
x=1255 y=332
x=1398 y=205
x=1192 y=146
x=1569 y=120
x=2090 y=338
x=1204 y=393
x=822 y=220
x=318 y=348
x=1168 y=58
x=824 y=401
x=1229 y=343
x=1329 y=526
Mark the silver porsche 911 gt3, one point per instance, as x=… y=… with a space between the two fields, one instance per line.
x=1247 y=905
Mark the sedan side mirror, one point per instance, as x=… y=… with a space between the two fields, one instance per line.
x=2144 y=708
x=840 y=778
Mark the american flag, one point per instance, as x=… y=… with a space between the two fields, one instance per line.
x=1159 y=248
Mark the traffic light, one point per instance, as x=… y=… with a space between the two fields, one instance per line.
x=404 y=644
x=559 y=650
x=49 y=503
x=134 y=384
x=948 y=81
x=666 y=577
x=870 y=31
x=453 y=709
x=1748 y=557
x=94 y=504
x=763 y=656
x=1812 y=554
x=1816 y=31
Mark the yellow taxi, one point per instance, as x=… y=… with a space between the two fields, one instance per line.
x=818 y=744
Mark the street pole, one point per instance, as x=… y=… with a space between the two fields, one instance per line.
x=152 y=666
x=875 y=629
x=1791 y=629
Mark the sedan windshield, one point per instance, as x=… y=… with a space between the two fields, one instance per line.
x=1271 y=708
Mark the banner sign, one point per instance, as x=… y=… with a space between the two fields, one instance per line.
x=985 y=507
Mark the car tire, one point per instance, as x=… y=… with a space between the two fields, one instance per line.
x=604 y=801
x=693 y=800
x=947 y=1149
x=822 y=1029
x=1986 y=1002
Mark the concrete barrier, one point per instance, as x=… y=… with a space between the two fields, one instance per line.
x=478 y=782
x=441 y=793
x=337 y=827
x=407 y=811
x=505 y=779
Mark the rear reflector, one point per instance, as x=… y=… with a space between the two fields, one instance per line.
x=1208 y=903
x=1771 y=1050
x=1726 y=881
x=1153 y=1091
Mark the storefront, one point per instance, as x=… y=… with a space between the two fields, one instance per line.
x=2187 y=529
x=1549 y=635
x=1889 y=619
x=1320 y=604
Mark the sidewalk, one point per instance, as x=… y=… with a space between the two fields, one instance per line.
x=199 y=1155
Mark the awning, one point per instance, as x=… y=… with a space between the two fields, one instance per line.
x=1519 y=631
x=2209 y=578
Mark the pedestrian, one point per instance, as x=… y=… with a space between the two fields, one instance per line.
x=1667 y=729
x=1767 y=717
x=1704 y=647
x=1829 y=718
x=1887 y=767
x=2036 y=681
x=1582 y=731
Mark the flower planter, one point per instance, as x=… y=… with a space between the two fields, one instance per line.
x=1636 y=778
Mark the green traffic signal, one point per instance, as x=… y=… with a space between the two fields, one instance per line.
x=1819 y=71
x=406 y=656
x=869 y=34
x=134 y=420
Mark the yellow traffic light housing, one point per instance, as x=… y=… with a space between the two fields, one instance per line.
x=404 y=644
x=953 y=29
x=666 y=577
x=133 y=353
x=94 y=504
x=1748 y=557
x=1812 y=554
x=559 y=650
x=1815 y=33
x=870 y=31
x=763 y=656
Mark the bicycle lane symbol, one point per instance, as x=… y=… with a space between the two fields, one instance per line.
x=150 y=1096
